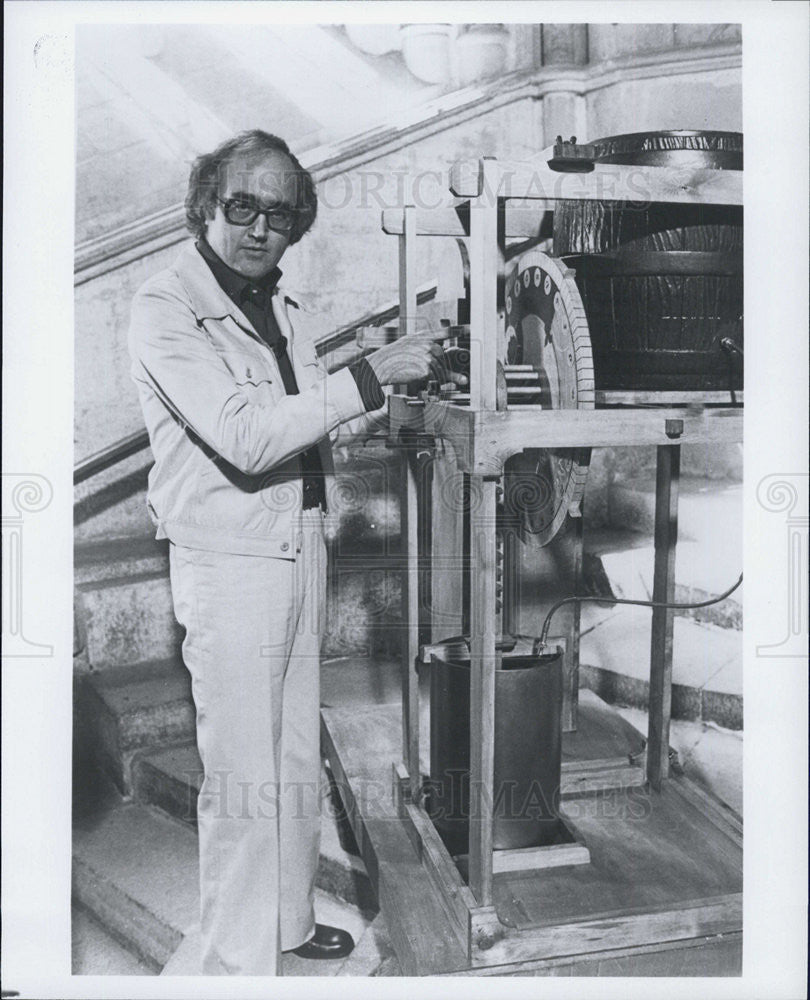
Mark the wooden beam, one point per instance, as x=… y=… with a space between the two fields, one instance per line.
x=483 y=441
x=621 y=929
x=640 y=397
x=454 y=895
x=666 y=540
x=410 y=618
x=496 y=436
x=482 y=687
x=719 y=955
x=606 y=182
x=722 y=816
x=522 y=221
x=598 y=779
x=485 y=264
x=534 y=858
x=409 y=525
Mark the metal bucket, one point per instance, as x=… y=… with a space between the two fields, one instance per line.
x=528 y=743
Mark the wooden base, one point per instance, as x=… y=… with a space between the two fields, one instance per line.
x=662 y=891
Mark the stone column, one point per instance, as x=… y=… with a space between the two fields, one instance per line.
x=564 y=46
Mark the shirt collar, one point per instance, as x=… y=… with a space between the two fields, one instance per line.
x=235 y=285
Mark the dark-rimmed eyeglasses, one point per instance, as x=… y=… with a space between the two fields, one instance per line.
x=245 y=213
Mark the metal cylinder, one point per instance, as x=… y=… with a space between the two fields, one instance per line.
x=528 y=744
x=661 y=284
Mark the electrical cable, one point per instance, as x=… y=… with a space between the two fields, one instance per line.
x=731 y=347
x=625 y=600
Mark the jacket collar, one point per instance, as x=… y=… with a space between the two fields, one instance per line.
x=210 y=301
x=236 y=286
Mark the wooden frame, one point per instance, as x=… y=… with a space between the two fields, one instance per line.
x=509 y=200
x=439 y=927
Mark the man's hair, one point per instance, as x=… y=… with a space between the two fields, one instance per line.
x=208 y=172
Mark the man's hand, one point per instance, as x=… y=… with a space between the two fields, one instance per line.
x=413 y=358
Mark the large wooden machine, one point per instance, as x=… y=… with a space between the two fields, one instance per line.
x=603 y=308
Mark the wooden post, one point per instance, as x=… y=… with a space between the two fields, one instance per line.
x=409 y=524
x=410 y=617
x=482 y=688
x=666 y=540
x=485 y=263
x=485 y=266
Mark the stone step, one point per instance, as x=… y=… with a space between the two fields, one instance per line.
x=122 y=712
x=186 y=959
x=128 y=618
x=147 y=711
x=710 y=513
x=124 y=605
x=373 y=954
x=169 y=778
x=101 y=559
x=95 y=952
x=136 y=871
x=706 y=664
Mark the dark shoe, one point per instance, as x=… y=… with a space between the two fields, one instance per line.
x=327 y=942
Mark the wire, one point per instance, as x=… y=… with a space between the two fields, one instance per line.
x=731 y=347
x=625 y=600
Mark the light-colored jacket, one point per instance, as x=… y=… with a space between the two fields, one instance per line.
x=224 y=433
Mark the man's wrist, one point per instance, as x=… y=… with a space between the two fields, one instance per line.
x=369 y=386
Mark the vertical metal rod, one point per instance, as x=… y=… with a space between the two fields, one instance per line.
x=407 y=272
x=482 y=690
x=571 y=688
x=666 y=540
x=510 y=580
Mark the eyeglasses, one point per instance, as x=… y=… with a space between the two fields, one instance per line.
x=244 y=213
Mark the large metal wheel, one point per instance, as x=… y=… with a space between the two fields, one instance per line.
x=546 y=328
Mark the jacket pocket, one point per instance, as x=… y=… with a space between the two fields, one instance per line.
x=308 y=366
x=251 y=377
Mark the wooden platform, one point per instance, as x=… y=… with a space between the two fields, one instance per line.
x=661 y=895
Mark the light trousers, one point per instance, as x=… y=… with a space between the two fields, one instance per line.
x=252 y=645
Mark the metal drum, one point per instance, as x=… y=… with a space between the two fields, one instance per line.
x=662 y=284
x=528 y=743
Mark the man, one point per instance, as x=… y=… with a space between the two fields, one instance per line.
x=240 y=412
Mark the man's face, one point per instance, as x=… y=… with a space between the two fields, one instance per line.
x=266 y=180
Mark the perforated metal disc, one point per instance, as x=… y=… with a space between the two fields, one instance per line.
x=546 y=328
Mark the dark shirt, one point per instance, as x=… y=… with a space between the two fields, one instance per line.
x=255 y=301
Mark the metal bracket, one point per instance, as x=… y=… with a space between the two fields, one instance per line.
x=571 y=158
